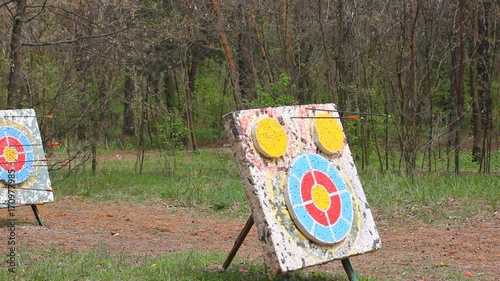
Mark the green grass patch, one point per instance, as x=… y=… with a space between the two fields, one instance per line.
x=53 y=264
x=210 y=178
x=431 y=197
x=188 y=179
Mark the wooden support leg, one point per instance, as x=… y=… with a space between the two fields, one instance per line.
x=238 y=242
x=37 y=214
x=351 y=274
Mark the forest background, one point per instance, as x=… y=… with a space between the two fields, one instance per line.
x=423 y=74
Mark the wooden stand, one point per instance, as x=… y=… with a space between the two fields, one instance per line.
x=37 y=214
x=238 y=242
x=351 y=274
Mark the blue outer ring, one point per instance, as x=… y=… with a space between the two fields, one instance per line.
x=24 y=173
x=313 y=230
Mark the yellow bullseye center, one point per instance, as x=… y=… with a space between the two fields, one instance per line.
x=10 y=154
x=320 y=197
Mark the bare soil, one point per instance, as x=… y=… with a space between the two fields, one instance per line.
x=410 y=250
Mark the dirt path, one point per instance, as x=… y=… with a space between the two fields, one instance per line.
x=409 y=252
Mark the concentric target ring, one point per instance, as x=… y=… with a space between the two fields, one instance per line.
x=16 y=155
x=318 y=199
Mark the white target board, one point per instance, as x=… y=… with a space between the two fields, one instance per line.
x=23 y=167
x=304 y=191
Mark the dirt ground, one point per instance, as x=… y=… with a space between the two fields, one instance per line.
x=409 y=251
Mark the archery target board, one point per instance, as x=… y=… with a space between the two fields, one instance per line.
x=307 y=201
x=22 y=159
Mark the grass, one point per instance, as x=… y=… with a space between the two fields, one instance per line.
x=53 y=264
x=210 y=178
x=431 y=198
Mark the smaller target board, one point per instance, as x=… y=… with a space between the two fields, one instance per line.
x=23 y=167
x=301 y=181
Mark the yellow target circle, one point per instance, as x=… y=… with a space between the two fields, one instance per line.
x=328 y=134
x=269 y=138
x=10 y=154
x=320 y=197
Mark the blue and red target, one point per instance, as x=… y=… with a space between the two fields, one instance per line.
x=319 y=199
x=16 y=155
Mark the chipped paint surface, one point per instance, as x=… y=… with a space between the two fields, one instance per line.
x=21 y=150
x=308 y=205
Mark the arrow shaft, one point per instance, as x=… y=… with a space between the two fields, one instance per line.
x=26 y=161
x=21 y=145
x=27 y=116
x=349 y=112
x=24 y=188
x=320 y=117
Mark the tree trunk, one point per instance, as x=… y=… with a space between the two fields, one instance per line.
x=457 y=84
x=14 y=97
x=169 y=88
x=326 y=50
x=245 y=65
x=488 y=50
x=229 y=54
x=128 y=110
x=412 y=83
x=408 y=86
x=341 y=58
x=476 y=108
x=190 y=90
x=142 y=124
x=262 y=44
x=287 y=45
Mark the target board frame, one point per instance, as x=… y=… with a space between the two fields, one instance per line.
x=307 y=201
x=22 y=159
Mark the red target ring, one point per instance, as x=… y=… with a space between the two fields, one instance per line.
x=324 y=217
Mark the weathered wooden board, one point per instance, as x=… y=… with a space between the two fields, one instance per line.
x=22 y=160
x=305 y=194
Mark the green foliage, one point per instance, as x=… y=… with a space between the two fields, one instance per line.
x=209 y=135
x=210 y=101
x=278 y=94
x=173 y=131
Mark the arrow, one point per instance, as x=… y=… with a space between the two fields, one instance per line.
x=352 y=112
x=25 y=188
x=62 y=165
x=26 y=161
x=48 y=116
x=53 y=144
x=352 y=117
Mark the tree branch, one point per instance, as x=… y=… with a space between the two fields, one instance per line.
x=70 y=41
x=37 y=14
x=5 y=3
